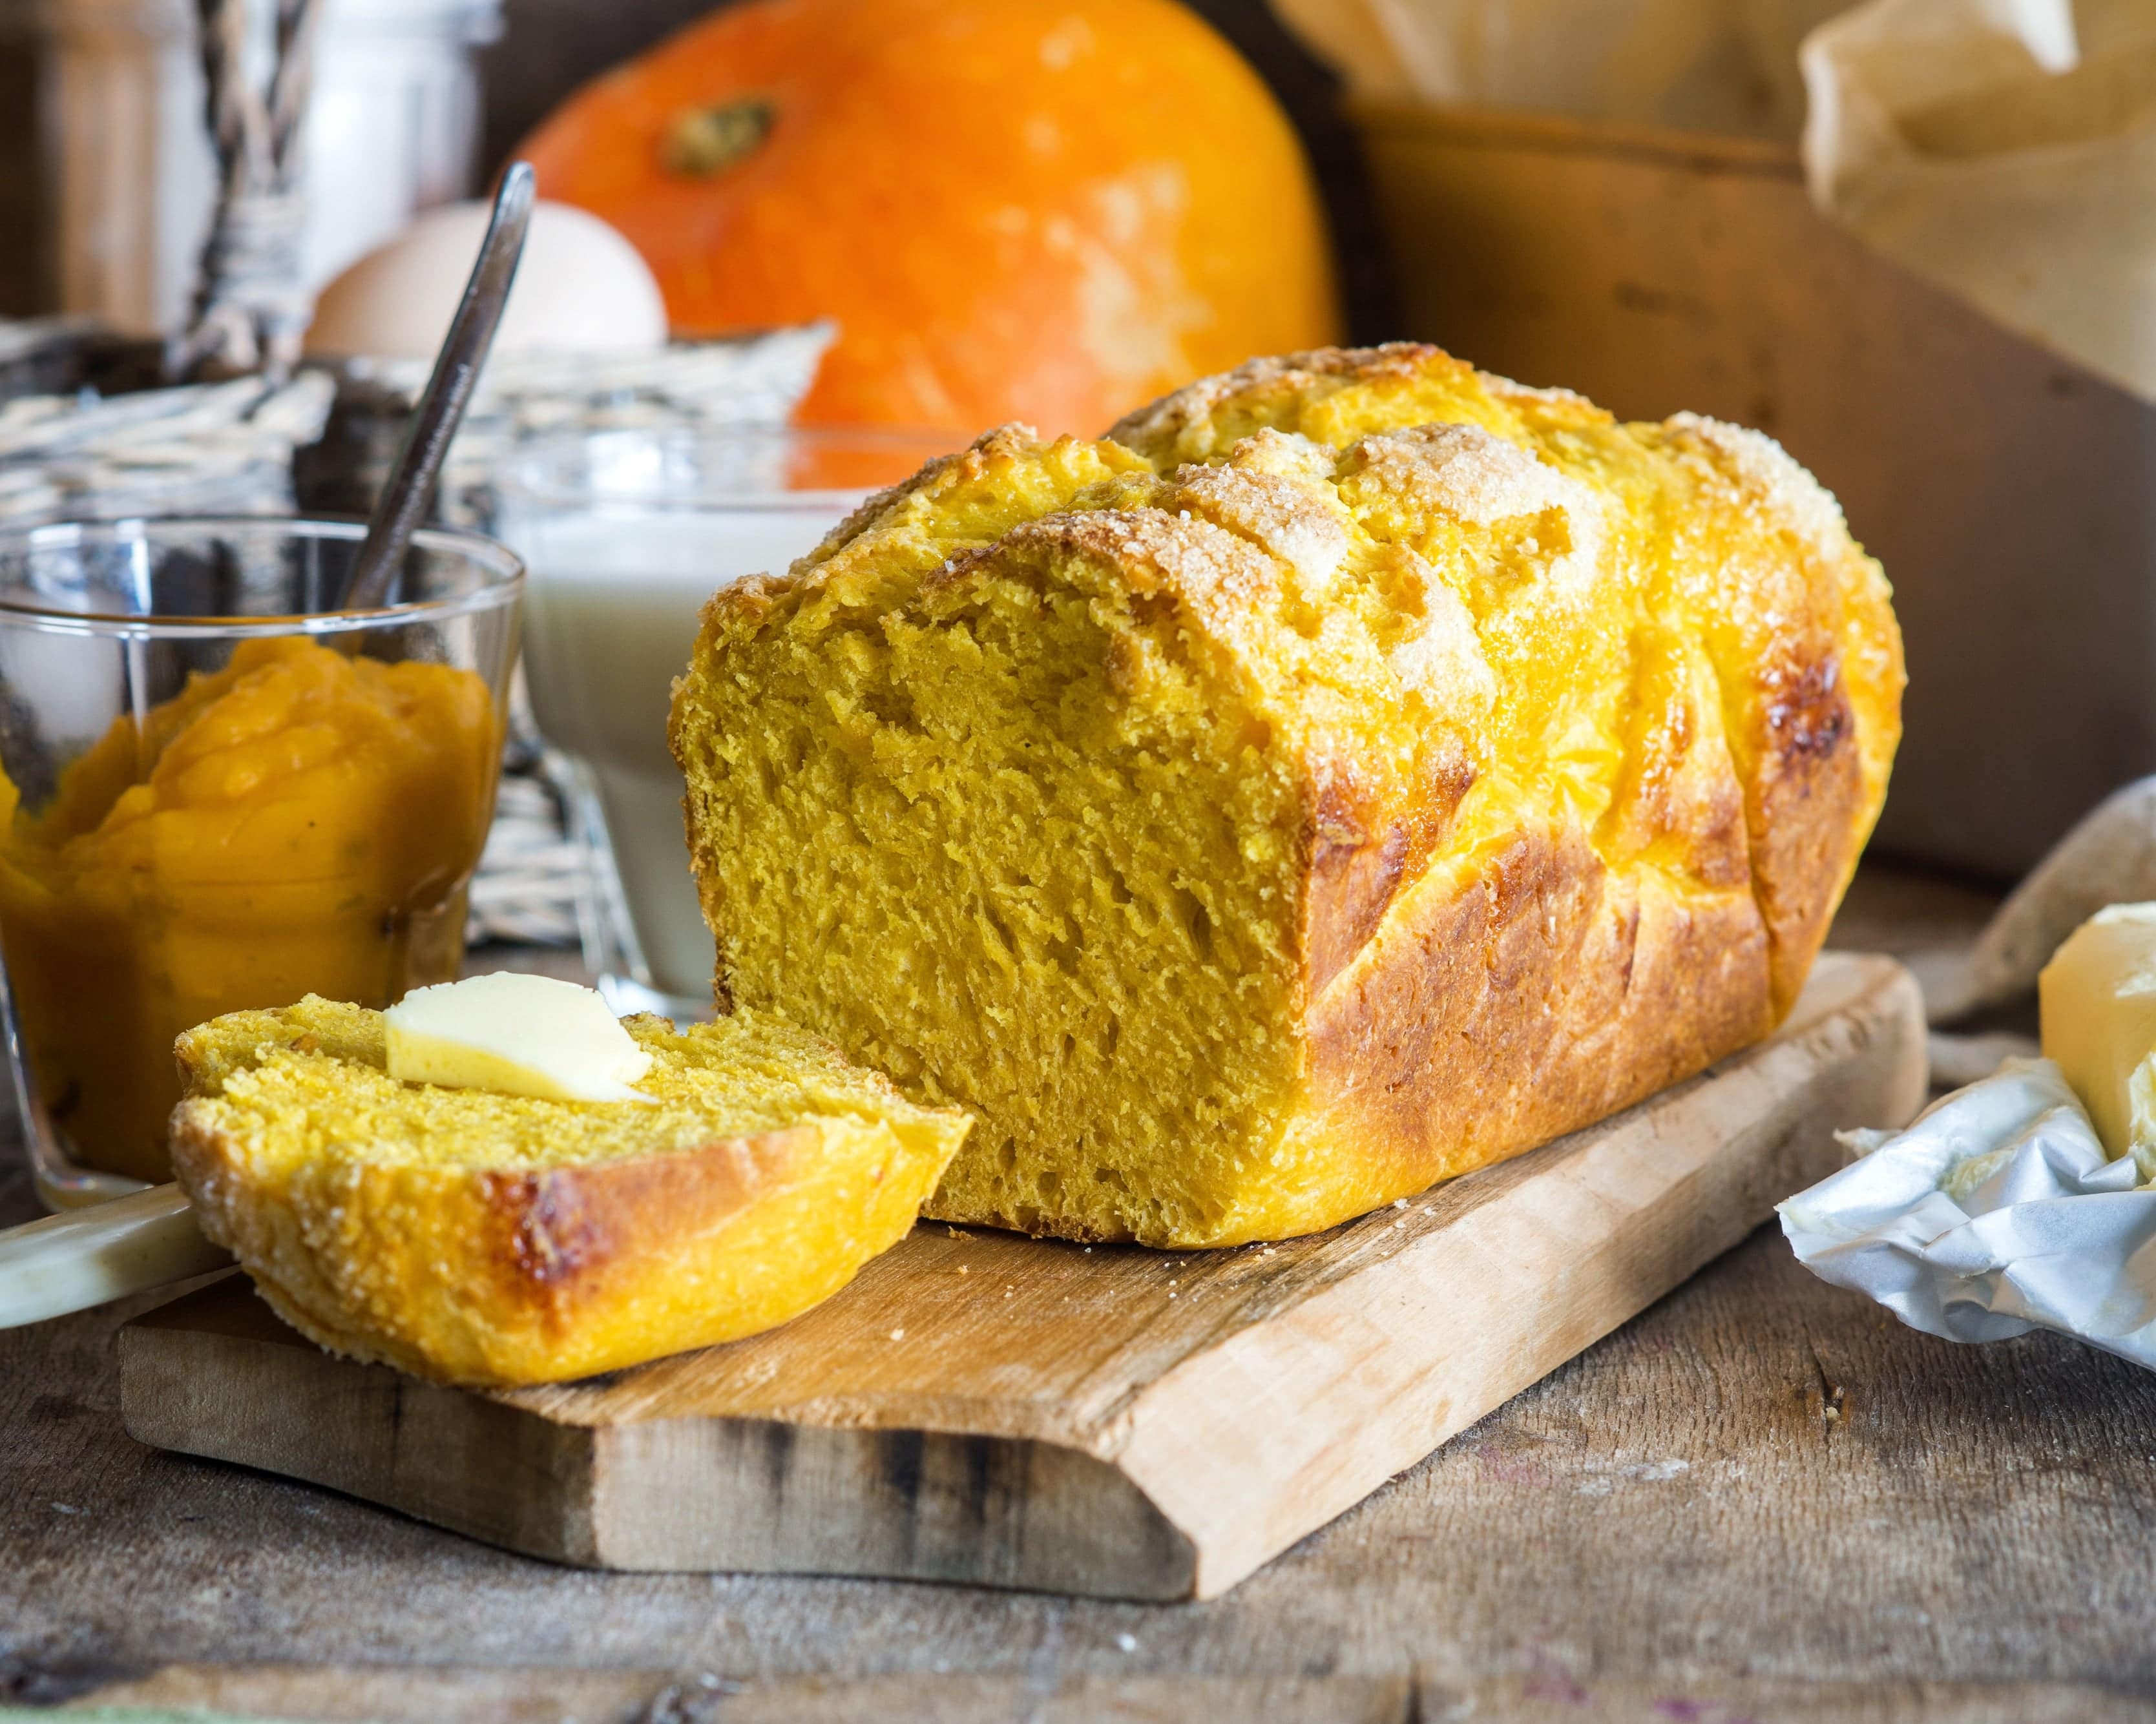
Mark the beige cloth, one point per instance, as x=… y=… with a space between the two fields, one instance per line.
x=2006 y=150
x=2110 y=857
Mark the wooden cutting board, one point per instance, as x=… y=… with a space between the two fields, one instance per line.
x=978 y=1407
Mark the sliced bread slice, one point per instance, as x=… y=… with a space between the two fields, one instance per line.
x=491 y=1240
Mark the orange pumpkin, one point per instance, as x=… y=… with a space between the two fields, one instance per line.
x=1045 y=210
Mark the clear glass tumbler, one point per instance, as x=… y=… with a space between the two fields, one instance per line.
x=217 y=793
x=627 y=533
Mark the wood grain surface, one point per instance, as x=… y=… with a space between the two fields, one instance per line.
x=1128 y=1422
x=1672 y=1517
x=1548 y=1696
x=1667 y=1528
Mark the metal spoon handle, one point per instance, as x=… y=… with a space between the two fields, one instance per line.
x=403 y=499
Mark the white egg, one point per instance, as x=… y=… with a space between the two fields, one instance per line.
x=581 y=288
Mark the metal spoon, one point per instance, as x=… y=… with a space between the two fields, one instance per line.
x=403 y=499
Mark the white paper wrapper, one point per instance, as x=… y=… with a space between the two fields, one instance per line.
x=1721 y=66
x=1996 y=1213
x=2006 y=150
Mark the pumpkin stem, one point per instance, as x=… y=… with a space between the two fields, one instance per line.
x=706 y=140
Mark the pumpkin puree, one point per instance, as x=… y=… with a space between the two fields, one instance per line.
x=298 y=822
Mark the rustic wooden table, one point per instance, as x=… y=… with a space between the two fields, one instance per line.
x=1763 y=1499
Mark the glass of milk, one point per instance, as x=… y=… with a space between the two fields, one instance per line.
x=626 y=533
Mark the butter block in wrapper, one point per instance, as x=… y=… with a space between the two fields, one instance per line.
x=2018 y=1203
x=1998 y=1211
x=2098 y=995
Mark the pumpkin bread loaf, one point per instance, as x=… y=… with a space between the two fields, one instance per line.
x=495 y=1240
x=1352 y=771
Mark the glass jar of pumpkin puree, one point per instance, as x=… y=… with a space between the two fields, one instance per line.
x=216 y=793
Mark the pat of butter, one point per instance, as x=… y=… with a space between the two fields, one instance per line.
x=520 y=1035
x=2098 y=998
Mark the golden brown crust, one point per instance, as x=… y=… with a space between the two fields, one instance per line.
x=555 y=1245
x=1800 y=597
x=492 y=1268
x=1505 y=1006
x=1355 y=873
x=1183 y=423
x=1808 y=808
x=1489 y=1012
